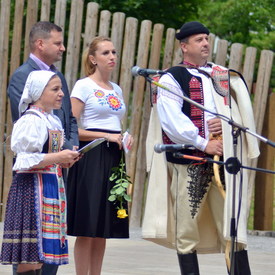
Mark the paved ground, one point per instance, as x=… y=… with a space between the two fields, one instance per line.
x=139 y=257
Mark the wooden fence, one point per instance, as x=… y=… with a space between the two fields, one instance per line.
x=137 y=43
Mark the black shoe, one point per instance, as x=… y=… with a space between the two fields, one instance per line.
x=189 y=264
x=241 y=263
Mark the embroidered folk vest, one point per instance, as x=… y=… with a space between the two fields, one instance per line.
x=192 y=87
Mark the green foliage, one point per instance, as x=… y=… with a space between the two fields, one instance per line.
x=249 y=22
x=171 y=13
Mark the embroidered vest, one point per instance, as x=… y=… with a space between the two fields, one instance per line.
x=192 y=87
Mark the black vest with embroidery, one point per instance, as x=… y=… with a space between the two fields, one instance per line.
x=192 y=88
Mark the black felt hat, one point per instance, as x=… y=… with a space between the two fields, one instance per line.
x=191 y=28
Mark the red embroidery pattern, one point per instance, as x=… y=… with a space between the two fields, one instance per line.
x=196 y=114
x=220 y=77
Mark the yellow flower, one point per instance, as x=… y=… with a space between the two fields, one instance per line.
x=121 y=213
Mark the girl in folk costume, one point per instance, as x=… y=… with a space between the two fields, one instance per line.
x=35 y=221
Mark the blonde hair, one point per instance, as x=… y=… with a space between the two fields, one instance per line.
x=89 y=67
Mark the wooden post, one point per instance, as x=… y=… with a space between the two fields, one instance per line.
x=236 y=53
x=264 y=187
x=249 y=66
x=104 y=23
x=117 y=39
x=90 y=29
x=177 y=54
x=4 y=53
x=259 y=106
x=59 y=19
x=140 y=169
x=221 y=55
x=14 y=63
x=169 y=48
x=45 y=10
x=73 y=48
x=138 y=92
x=32 y=10
x=127 y=60
x=211 y=41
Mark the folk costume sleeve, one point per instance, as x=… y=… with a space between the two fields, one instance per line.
x=178 y=127
x=28 y=138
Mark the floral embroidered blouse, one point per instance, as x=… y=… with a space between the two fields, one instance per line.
x=103 y=109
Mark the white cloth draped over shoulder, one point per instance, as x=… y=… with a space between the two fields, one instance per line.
x=29 y=135
x=158 y=221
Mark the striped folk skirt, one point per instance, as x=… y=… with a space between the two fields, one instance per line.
x=35 y=221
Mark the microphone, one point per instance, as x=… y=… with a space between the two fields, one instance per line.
x=145 y=72
x=159 y=148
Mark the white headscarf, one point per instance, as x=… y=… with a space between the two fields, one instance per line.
x=34 y=87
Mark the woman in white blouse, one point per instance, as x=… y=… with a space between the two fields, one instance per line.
x=97 y=104
x=35 y=221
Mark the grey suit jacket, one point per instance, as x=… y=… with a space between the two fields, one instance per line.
x=15 y=90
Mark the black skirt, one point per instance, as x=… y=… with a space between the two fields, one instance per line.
x=90 y=214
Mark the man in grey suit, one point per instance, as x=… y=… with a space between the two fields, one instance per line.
x=46 y=47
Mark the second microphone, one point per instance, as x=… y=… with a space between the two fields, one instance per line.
x=145 y=72
x=159 y=148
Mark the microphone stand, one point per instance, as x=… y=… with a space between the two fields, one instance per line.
x=233 y=164
x=225 y=118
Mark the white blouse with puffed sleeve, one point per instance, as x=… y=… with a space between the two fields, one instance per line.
x=29 y=135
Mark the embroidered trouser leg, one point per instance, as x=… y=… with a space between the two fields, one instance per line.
x=210 y=212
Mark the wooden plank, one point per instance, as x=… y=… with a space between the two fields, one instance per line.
x=156 y=46
x=169 y=48
x=262 y=86
x=45 y=10
x=60 y=13
x=90 y=24
x=211 y=41
x=139 y=81
x=249 y=66
x=140 y=117
x=32 y=10
x=14 y=63
x=90 y=28
x=177 y=55
x=73 y=48
x=117 y=39
x=59 y=19
x=17 y=36
x=221 y=55
x=264 y=187
x=127 y=59
x=4 y=53
x=104 y=23
x=260 y=100
x=235 y=60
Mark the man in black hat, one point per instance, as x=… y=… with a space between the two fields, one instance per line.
x=201 y=203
